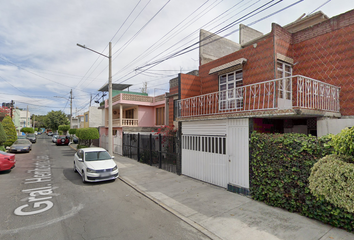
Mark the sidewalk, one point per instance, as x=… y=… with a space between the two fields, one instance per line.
x=218 y=213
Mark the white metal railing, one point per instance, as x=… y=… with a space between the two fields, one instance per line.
x=125 y=122
x=285 y=93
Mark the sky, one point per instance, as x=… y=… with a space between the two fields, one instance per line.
x=152 y=41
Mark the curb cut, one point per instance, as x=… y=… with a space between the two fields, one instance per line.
x=193 y=224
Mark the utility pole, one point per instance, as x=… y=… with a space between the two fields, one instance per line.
x=71 y=106
x=110 y=135
x=90 y=99
x=11 y=108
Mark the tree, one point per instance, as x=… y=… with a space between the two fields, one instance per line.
x=56 y=118
x=10 y=131
x=86 y=135
x=27 y=130
x=72 y=131
x=2 y=135
x=39 y=121
x=64 y=128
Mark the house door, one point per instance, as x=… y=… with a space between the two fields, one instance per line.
x=238 y=152
x=284 y=72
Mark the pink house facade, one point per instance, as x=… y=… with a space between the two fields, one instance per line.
x=131 y=113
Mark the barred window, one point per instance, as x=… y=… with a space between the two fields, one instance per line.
x=211 y=144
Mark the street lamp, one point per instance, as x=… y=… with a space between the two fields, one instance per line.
x=109 y=92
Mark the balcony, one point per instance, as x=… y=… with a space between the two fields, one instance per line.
x=278 y=96
x=126 y=122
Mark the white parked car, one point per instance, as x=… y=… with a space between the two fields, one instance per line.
x=54 y=138
x=95 y=165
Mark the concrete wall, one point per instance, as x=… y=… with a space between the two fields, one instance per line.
x=146 y=116
x=334 y=126
x=212 y=47
x=95 y=117
x=248 y=34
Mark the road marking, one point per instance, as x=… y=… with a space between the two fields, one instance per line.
x=69 y=214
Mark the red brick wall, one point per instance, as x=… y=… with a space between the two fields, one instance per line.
x=259 y=66
x=190 y=86
x=326 y=52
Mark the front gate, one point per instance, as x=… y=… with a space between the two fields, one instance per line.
x=156 y=150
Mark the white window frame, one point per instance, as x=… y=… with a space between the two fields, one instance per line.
x=231 y=90
x=285 y=71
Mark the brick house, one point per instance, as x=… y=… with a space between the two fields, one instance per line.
x=297 y=78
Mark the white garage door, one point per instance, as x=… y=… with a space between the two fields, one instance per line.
x=210 y=154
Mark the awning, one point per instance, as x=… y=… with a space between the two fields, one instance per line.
x=115 y=86
x=228 y=65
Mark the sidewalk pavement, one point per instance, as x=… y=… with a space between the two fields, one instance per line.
x=220 y=214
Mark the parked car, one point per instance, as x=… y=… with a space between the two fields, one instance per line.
x=75 y=140
x=31 y=137
x=54 y=138
x=50 y=133
x=62 y=140
x=21 y=145
x=7 y=161
x=95 y=164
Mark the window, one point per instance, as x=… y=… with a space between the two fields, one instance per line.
x=231 y=91
x=176 y=110
x=86 y=118
x=129 y=114
x=160 y=112
x=284 y=70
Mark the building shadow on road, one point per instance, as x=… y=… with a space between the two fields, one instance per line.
x=75 y=178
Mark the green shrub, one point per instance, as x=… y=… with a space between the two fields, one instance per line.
x=27 y=130
x=86 y=135
x=343 y=142
x=72 y=131
x=81 y=146
x=332 y=177
x=280 y=165
x=2 y=148
x=10 y=130
x=63 y=129
x=2 y=135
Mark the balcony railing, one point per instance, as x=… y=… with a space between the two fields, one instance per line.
x=285 y=93
x=126 y=122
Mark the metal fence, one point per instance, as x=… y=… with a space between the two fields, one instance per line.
x=156 y=150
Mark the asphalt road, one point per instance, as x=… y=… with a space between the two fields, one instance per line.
x=42 y=198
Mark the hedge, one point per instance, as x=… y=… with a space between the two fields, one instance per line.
x=2 y=135
x=72 y=131
x=333 y=178
x=27 y=130
x=86 y=135
x=280 y=166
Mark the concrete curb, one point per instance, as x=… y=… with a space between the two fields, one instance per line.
x=193 y=224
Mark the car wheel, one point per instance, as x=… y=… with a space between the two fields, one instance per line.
x=75 y=167
x=83 y=177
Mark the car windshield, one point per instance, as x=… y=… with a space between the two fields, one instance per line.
x=96 y=156
x=30 y=135
x=21 y=141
